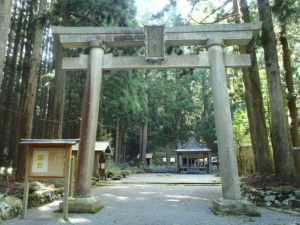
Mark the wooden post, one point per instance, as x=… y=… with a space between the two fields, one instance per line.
x=67 y=182
x=26 y=184
x=72 y=174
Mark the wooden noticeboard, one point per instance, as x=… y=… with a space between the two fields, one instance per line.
x=46 y=160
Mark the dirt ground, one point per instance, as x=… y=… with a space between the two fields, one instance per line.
x=265 y=181
x=9 y=185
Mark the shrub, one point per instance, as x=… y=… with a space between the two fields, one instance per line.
x=125 y=173
x=35 y=186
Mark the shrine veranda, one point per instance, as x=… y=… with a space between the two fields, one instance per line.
x=154 y=38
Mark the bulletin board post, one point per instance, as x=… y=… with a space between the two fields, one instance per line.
x=48 y=160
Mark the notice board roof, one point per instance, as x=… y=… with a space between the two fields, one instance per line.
x=49 y=141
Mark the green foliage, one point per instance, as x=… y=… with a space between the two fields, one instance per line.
x=34 y=186
x=125 y=173
x=240 y=127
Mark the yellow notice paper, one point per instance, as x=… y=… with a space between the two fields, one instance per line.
x=40 y=161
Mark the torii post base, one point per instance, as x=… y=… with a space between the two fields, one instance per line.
x=82 y=205
x=232 y=207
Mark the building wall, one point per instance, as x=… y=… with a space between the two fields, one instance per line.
x=245 y=160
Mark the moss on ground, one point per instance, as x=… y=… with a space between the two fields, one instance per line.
x=282 y=189
x=103 y=184
x=83 y=211
x=234 y=214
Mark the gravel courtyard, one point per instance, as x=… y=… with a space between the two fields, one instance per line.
x=136 y=204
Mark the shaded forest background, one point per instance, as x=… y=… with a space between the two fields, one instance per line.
x=152 y=110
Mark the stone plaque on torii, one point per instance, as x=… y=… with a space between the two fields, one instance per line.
x=213 y=37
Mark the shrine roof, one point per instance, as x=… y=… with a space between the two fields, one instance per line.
x=148 y=155
x=100 y=146
x=193 y=146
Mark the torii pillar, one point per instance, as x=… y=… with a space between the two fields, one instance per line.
x=232 y=201
x=82 y=200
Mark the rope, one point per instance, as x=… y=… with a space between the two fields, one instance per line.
x=56 y=121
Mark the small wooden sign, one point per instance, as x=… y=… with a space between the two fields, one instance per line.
x=46 y=160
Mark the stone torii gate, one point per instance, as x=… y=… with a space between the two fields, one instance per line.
x=214 y=37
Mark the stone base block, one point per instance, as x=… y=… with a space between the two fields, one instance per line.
x=294 y=203
x=224 y=207
x=81 y=205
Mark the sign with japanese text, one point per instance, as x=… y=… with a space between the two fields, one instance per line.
x=155 y=39
x=40 y=161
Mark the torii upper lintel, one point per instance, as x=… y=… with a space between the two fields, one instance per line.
x=232 y=34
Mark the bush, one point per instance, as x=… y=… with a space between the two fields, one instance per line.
x=117 y=177
x=35 y=186
x=125 y=173
x=109 y=174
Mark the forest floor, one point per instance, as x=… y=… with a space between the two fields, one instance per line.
x=265 y=181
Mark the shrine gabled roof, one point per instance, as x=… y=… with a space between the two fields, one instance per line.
x=148 y=155
x=100 y=146
x=193 y=146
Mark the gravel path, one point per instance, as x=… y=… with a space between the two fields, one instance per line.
x=162 y=178
x=138 y=204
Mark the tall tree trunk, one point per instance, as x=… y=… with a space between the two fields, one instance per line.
x=144 y=145
x=145 y=126
x=80 y=108
x=141 y=144
x=9 y=93
x=288 y=73
x=117 y=140
x=5 y=77
x=24 y=71
x=60 y=76
x=14 y=128
x=254 y=103
x=5 y=13
x=283 y=153
x=167 y=133
x=205 y=104
x=120 y=147
x=168 y=152
x=178 y=113
x=43 y=104
x=75 y=127
x=49 y=123
x=124 y=149
x=29 y=104
x=69 y=117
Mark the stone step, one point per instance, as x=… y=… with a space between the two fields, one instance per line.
x=294 y=203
